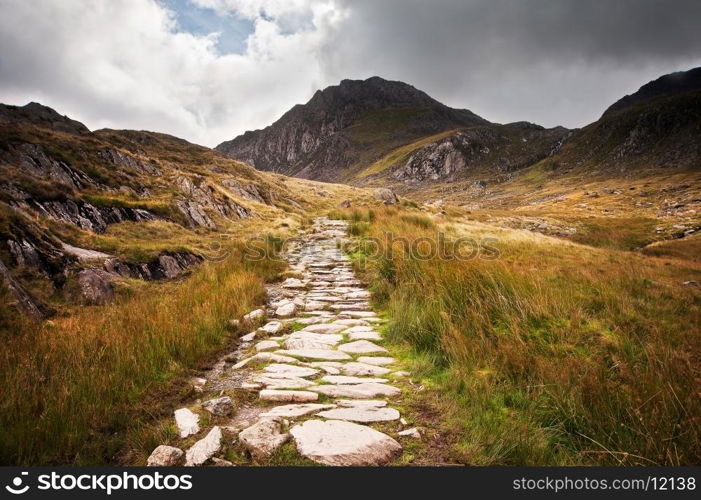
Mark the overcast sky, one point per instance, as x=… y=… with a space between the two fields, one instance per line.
x=207 y=70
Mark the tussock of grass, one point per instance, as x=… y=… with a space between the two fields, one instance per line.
x=551 y=354
x=70 y=384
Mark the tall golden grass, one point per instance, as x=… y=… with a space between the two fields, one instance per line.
x=551 y=354
x=68 y=385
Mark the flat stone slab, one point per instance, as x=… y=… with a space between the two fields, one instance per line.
x=351 y=403
x=265 y=356
x=336 y=442
x=376 y=360
x=205 y=448
x=310 y=340
x=293 y=411
x=288 y=396
x=281 y=381
x=361 y=347
x=351 y=322
x=291 y=370
x=187 y=422
x=364 y=336
x=357 y=369
x=358 y=328
x=360 y=391
x=364 y=414
x=343 y=380
x=330 y=367
x=272 y=327
x=323 y=354
x=263 y=438
x=361 y=314
x=267 y=345
x=286 y=310
x=324 y=328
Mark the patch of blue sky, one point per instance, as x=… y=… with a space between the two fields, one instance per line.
x=233 y=31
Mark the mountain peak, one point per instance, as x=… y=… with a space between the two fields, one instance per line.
x=680 y=81
x=42 y=116
x=327 y=134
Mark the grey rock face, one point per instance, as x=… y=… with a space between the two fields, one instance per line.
x=96 y=286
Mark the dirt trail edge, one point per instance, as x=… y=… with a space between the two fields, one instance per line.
x=313 y=383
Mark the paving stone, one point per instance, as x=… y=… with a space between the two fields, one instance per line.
x=323 y=328
x=288 y=396
x=267 y=345
x=349 y=403
x=360 y=391
x=265 y=356
x=364 y=336
x=286 y=310
x=272 y=327
x=308 y=340
x=292 y=370
x=376 y=360
x=364 y=414
x=343 y=380
x=298 y=410
x=335 y=442
x=361 y=347
x=321 y=354
x=357 y=369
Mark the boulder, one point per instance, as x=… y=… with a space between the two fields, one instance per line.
x=166 y=456
x=386 y=196
x=220 y=407
x=96 y=286
x=263 y=438
x=205 y=448
x=187 y=422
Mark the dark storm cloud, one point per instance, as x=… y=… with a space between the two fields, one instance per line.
x=552 y=61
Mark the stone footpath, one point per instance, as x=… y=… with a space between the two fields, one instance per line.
x=322 y=377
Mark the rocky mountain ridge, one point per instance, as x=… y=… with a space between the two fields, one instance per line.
x=63 y=188
x=318 y=139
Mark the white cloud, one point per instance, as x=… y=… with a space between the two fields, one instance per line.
x=123 y=64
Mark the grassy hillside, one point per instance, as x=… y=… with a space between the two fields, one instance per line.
x=538 y=351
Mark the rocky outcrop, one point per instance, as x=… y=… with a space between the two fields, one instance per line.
x=25 y=302
x=167 y=265
x=89 y=217
x=96 y=286
x=33 y=160
x=115 y=157
x=481 y=150
x=202 y=194
x=42 y=116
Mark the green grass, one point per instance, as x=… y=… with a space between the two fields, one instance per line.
x=552 y=354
